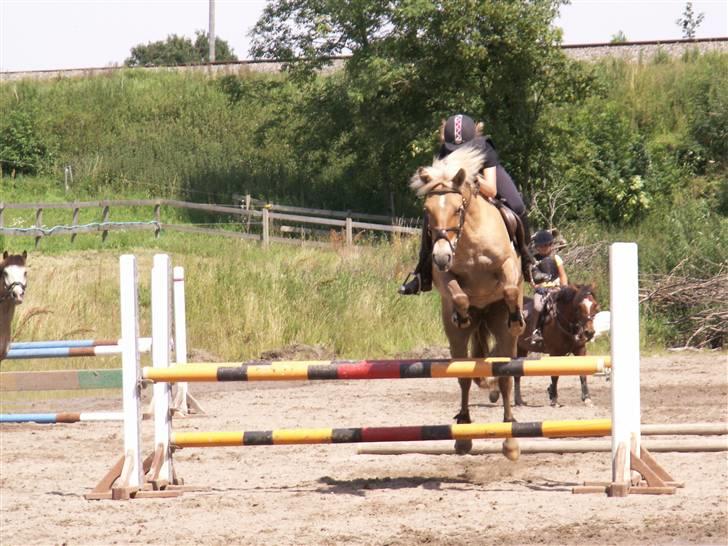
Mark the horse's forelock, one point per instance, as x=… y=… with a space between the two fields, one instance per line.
x=443 y=171
x=13 y=259
x=574 y=293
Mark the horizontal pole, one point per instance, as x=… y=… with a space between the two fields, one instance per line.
x=59 y=380
x=69 y=343
x=556 y=446
x=548 y=429
x=145 y=345
x=381 y=369
x=63 y=417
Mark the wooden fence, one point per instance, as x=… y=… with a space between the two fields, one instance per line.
x=270 y=224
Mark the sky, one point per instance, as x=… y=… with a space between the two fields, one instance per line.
x=56 y=34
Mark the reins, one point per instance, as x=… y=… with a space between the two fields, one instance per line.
x=578 y=326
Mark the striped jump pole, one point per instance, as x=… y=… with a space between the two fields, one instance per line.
x=545 y=429
x=382 y=369
x=63 y=417
x=67 y=343
x=145 y=345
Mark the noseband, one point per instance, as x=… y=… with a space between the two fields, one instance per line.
x=439 y=233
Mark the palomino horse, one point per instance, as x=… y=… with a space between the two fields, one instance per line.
x=13 y=280
x=475 y=269
x=566 y=330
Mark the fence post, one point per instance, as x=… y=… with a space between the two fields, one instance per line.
x=349 y=234
x=158 y=219
x=39 y=225
x=104 y=219
x=74 y=221
x=266 y=227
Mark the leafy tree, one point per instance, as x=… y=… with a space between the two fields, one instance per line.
x=413 y=63
x=176 y=50
x=22 y=148
x=689 y=22
x=618 y=38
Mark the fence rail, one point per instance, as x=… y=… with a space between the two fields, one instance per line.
x=274 y=222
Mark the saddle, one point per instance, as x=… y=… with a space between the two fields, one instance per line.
x=517 y=234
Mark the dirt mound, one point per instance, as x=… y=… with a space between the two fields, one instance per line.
x=299 y=351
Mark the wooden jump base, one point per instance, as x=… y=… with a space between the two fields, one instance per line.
x=64 y=417
x=382 y=369
x=546 y=429
x=555 y=446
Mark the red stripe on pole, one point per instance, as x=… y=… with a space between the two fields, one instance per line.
x=391 y=434
x=367 y=370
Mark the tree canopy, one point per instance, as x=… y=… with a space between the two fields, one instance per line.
x=178 y=50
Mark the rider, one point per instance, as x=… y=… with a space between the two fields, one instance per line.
x=460 y=130
x=548 y=275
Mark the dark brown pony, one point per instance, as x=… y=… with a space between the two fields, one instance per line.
x=567 y=327
x=475 y=269
x=13 y=279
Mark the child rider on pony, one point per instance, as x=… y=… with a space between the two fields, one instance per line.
x=548 y=276
x=495 y=184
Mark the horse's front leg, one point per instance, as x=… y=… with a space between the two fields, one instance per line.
x=517 y=399
x=463 y=417
x=581 y=351
x=553 y=391
x=510 y=277
x=461 y=301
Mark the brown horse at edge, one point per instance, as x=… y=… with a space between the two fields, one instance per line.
x=476 y=271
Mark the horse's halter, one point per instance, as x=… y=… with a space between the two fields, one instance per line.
x=7 y=293
x=579 y=326
x=438 y=233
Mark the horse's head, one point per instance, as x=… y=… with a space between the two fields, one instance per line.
x=580 y=305
x=448 y=186
x=13 y=277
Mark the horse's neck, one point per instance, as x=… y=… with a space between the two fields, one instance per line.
x=7 y=310
x=482 y=216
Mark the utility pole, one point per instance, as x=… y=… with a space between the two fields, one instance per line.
x=211 y=32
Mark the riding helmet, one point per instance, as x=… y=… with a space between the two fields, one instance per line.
x=542 y=238
x=459 y=129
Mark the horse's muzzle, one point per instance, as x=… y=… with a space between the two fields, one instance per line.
x=442 y=255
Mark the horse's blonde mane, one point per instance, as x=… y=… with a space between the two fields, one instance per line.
x=443 y=171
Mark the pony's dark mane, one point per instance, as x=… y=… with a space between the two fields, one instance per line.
x=573 y=293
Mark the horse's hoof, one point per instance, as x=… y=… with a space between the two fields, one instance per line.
x=463 y=447
x=588 y=402
x=520 y=402
x=460 y=321
x=511 y=449
x=493 y=396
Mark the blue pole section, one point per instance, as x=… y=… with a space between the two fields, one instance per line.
x=52 y=344
x=50 y=352
x=43 y=418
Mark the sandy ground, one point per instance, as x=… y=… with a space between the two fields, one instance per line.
x=332 y=495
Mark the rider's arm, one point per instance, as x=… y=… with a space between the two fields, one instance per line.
x=563 y=279
x=487 y=182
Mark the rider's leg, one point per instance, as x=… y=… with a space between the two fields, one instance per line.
x=536 y=319
x=508 y=191
x=422 y=276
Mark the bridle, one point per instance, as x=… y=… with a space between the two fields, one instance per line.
x=8 y=288
x=575 y=329
x=439 y=233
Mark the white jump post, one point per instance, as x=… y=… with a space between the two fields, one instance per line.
x=161 y=470
x=132 y=470
x=625 y=342
x=184 y=402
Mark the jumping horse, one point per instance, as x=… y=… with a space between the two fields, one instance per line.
x=568 y=326
x=13 y=281
x=476 y=271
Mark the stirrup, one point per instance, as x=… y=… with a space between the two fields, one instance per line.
x=536 y=337
x=411 y=287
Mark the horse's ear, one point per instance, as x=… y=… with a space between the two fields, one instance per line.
x=5 y=254
x=459 y=178
x=25 y=254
